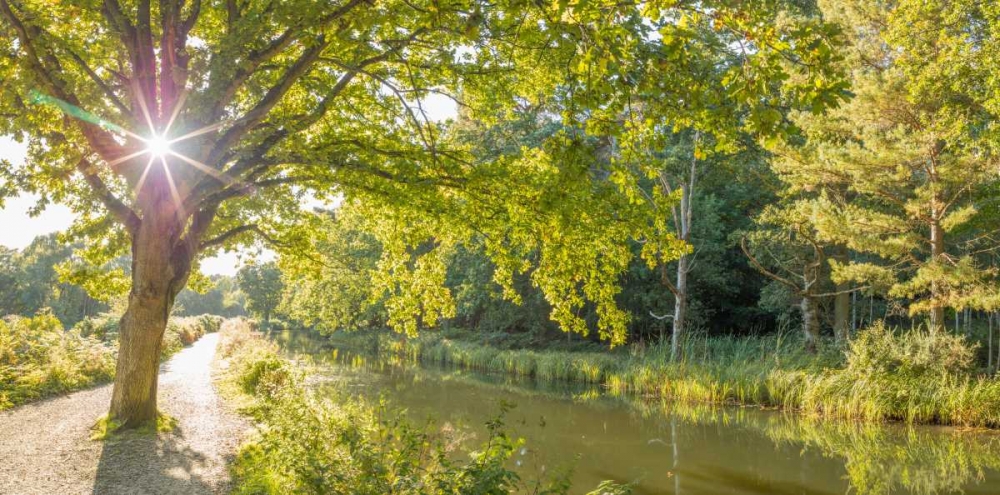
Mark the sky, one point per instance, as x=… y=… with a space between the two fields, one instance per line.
x=17 y=229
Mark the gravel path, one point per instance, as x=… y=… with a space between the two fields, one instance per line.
x=45 y=447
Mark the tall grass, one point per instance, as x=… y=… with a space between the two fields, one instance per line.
x=883 y=374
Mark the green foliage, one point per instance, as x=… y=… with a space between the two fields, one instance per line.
x=321 y=445
x=30 y=280
x=914 y=355
x=262 y=285
x=38 y=359
x=103 y=327
x=330 y=100
x=220 y=296
x=611 y=488
x=893 y=174
x=334 y=291
x=917 y=376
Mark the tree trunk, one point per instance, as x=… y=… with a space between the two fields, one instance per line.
x=842 y=314
x=156 y=279
x=854 y=312
x=989 y=352
x=810 y=322
x=842 y=305
x=133 y=401
x=682 y=224
x=937 y=249
x=680 y=306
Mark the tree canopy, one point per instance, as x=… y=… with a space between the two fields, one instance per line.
x=261 y=101
x=178 y=128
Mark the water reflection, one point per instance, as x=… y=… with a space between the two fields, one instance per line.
x=669 y=448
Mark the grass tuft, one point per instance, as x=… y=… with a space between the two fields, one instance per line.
x=106 y=427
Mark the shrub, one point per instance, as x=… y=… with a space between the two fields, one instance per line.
x=38 y=359
x=101 y=327
x=917 y=354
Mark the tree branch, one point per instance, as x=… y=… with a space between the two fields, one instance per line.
x=100 y=83
x=118 y=209
x=774 y=276
x=255 y=58
x=242 y=229
x=271 y=98
x=192 y=17
x=246 y=189
x=113 y=13
x=96 y=137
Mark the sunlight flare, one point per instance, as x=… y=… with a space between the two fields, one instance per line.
x=158 y=146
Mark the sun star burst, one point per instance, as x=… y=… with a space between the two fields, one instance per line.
x=158 y=146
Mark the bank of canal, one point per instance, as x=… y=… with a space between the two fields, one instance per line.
x=669 y=448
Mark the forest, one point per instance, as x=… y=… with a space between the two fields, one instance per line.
x=464 y=233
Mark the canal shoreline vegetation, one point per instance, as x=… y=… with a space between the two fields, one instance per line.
x=879 y=458
x=310 y=444
x=882 y=374
x=40 y=359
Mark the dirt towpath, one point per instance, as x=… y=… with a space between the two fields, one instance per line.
x=45 y=447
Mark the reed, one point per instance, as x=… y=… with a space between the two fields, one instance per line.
x=883 y=374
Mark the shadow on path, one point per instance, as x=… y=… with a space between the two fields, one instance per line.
x=139 y=463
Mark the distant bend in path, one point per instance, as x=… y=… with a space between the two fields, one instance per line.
x=45 y=447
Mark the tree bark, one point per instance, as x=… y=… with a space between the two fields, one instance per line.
x=157 y=277
x=842 y=305
x=682 y=221
x=680 y=306
x=989 y=352
x=810 y=322
x=937 y=250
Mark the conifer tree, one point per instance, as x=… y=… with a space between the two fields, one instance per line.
x=898 y=173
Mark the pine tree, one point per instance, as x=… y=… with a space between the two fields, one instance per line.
x=898 y=172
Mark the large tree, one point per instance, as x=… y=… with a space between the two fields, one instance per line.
x=704 y=106
x=262 y=285
x=904 y=173
x=179 y=127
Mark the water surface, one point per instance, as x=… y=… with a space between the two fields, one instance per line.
x=669 y=448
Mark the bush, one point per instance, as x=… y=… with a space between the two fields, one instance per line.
x=918 y=354
x=38 y=359
x=102 y=327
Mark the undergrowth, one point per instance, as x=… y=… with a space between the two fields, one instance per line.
x=39 y=358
